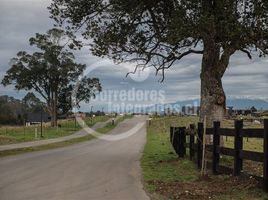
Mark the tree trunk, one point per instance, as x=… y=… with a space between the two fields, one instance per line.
x=213 y=100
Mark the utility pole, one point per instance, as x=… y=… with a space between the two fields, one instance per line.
x=24 y=126
x=41 y=122
x=74 y=120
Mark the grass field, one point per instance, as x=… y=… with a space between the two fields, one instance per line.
x=168 y=177
x=9 y=135
x=109 y=126
x=103 y=130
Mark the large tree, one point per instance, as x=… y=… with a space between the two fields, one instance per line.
x=51 y=72
x=32 y=103
x=158 y=33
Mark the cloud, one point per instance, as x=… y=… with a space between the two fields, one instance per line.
x=21 y=19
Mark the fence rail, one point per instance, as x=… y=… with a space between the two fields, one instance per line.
x=178 y=137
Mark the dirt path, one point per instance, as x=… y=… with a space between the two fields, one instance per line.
x=93 y=170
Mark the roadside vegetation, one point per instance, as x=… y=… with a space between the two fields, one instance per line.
x=168 y=177
x=16 y=134
x=108 y=127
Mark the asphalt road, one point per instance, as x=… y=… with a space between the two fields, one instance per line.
x=97 y=169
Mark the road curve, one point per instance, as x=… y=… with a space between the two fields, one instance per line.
x=93 y=170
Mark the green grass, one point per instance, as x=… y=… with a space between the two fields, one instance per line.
x=160 y=164
x=252 y=144
x=103 y=130
x=10 y=135
x=110 y=126
x=159 y=161
x=92 y=121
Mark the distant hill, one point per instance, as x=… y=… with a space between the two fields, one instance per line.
x=247 y=103
x=236 y=103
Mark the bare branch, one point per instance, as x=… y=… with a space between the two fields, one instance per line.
x=246 y=52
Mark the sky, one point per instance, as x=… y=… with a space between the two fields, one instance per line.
x=21 y=19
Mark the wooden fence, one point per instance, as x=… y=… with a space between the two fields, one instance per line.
x=178 y=137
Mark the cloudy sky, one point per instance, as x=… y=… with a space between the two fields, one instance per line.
x=21 y=19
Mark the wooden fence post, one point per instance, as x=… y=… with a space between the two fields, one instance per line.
x=191 y=145
x=179 y=142
x=238 y=145
x=265 y=152
x=171 y=129
x=199 y=144
x=183 y=141
x=216 y=144
x=149 y=122
x=174 y=138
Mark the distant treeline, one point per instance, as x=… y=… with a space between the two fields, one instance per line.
x=14 y=111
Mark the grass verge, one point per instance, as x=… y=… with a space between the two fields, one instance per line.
x=167 y=177
x=110 y=126
x=45 y=147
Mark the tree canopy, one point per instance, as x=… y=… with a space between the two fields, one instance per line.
x=158 y=33
x=52 y=71
x=32 y=103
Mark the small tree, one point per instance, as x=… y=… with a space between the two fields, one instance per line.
x=159 y=33
x=51 y=72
